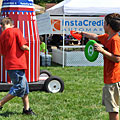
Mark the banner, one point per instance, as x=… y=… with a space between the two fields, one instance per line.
x=18 y=3
x=44 y=24
x=87 y=24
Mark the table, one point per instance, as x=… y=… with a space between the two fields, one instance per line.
x=80 y=46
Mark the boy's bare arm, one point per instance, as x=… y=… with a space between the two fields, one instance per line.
x=92 y=36
x=107 y=54
x=25 y=47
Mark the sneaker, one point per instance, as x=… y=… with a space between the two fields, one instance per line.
x=28 y=112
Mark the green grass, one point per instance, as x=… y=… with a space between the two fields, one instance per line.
x=81 y=99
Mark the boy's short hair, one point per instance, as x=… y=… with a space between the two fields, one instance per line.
x=113 y=20
x=7 y=21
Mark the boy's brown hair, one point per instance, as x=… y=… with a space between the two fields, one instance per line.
x=7 y=21
x=113 y=20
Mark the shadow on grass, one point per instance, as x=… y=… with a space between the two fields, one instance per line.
x=8 y=113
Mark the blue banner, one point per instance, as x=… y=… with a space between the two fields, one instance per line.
x=18 y=2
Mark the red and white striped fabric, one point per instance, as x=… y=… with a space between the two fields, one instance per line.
x=25 y=19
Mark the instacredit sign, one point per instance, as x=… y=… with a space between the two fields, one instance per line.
x=88 y=24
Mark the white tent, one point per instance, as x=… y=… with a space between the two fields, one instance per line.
x=85 y=7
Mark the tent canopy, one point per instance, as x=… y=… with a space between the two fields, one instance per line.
x=85 y=7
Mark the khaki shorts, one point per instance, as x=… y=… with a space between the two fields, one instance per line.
x=110 y=98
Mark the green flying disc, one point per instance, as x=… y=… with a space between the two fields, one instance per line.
x=90 y=54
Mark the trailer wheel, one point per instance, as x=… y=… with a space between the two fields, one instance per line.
x=54 y=84
x=45 y=73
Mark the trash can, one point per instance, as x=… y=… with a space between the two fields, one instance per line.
x=22 y=13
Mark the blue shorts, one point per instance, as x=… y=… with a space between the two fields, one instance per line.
x=20 y=85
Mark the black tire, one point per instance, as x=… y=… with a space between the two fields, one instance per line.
x=54 y=84
x=45 y=73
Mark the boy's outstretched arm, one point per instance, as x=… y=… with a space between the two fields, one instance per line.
x=92 y=36
x=25 y=47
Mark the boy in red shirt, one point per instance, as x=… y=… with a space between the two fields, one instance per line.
x=12 y=46
x=111 y=52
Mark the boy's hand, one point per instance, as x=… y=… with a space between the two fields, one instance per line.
x=77 y=32
x=98 y=48
x=25 y=47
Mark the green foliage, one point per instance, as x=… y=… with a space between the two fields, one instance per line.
x=81 y=99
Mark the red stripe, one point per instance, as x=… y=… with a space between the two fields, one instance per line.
x=35 y=37
x=18 y=8
x=26 y=17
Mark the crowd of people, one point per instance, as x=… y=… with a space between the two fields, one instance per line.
x=57 y=40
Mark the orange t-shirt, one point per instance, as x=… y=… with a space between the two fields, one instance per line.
x=111 y=69
x=11 y=40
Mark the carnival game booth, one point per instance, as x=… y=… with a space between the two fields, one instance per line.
x=23 y=15
x=79 y=15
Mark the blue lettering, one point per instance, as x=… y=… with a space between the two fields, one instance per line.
x=95 y=29
x=81 y=29
x=90 y=23
x=84 y=23
x=75 y=29
x=102 y=22
x=72 y=23
x=62 y=22
x=88 y=30
x=94 y=23
x=99 y=23
x=80 y=23
x=65 y=29
x=76 y=23
x=67 y=23
x=101 y=29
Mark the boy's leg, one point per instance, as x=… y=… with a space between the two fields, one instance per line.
x=6 y=99
x=26 y=102
x=113 y=116
x=27 y=110
x=111 y=100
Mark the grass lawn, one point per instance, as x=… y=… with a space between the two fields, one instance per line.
x=81 y=99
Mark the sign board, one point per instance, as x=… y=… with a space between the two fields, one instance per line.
x=88 y=24
x=44 y=24
x=18 y=3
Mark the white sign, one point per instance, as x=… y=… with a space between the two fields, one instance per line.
x=88 y=24
x=44 y=24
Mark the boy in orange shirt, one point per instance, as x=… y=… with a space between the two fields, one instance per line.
x=111 y=53
x=12 y=46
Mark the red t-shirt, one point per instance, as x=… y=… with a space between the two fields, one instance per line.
x=111 y=69
x=11 y=40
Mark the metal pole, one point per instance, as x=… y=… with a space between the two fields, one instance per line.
x=63 y=39
x=45 y=50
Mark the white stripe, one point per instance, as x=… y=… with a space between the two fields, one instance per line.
x=16 y=6
x=6 y=76
x=18 y=24
x=33 y=53
x=29 y=48
x=37 y=49
x=24 y=29
x=1 y=68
